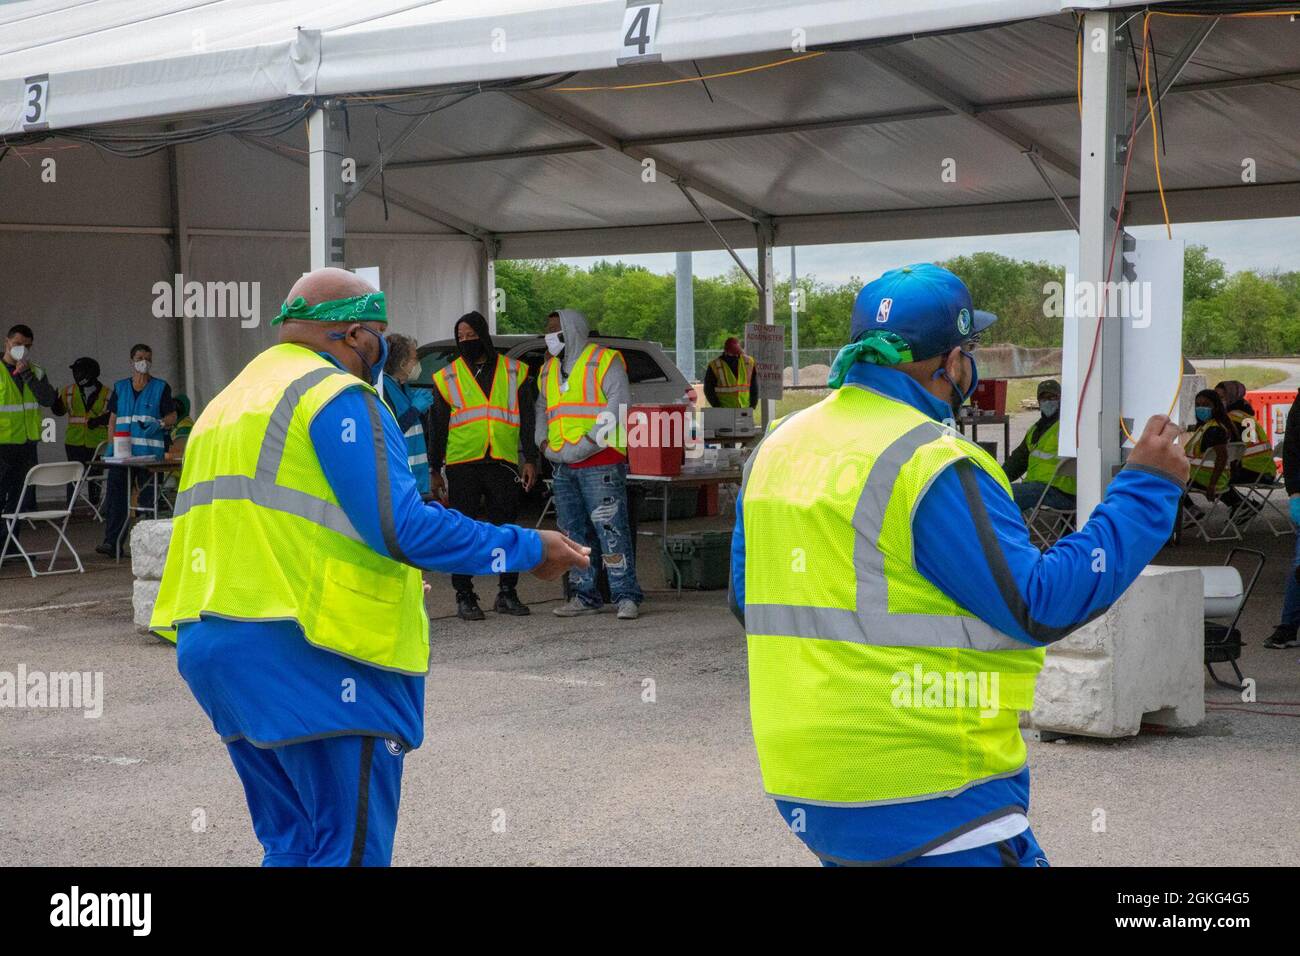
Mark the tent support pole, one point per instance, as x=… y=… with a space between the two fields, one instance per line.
x=1101 y=154
x=721 y=238
x=685 y=312
x=766 y=301
x=488 y=249
x=180 y=243
x=326 y=142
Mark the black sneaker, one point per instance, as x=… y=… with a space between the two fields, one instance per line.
x=508 y=603
x=1282 y=637
x=467 y=608
x=106 y=550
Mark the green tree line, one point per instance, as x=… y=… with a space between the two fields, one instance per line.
x=1243 y=313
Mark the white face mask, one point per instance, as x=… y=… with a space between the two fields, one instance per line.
x=555 y=342
x=142 y=366
x=18 y=352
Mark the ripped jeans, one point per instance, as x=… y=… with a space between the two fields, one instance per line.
x=591 y=507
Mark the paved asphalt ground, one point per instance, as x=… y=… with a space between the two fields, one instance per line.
x=540 y=724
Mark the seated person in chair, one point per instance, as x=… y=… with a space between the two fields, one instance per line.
x=1035 y=458
x=1207 y=447
x=1256 y=465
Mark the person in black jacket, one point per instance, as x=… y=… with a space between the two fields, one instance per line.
x=1284 y=635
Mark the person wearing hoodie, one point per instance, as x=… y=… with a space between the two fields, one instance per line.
x=582 y=389
x=482 y=421
x=1036 y=459
x=86 y=402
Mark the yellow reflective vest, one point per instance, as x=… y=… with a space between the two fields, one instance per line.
x=79 y=432
x=868 y=685
x=482 y=425
x=259 y=535
x=1257 y=455
x=572 y=410
x=732 y=389
x=20 y=413
x=1203 y=459
x=1043 y=460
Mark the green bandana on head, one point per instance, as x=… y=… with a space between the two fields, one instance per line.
x=370 y=307
x=877 y=348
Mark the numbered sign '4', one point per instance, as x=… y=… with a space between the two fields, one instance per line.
x=640 y=30
x=35 y=102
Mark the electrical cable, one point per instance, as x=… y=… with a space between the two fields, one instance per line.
x=624 y=87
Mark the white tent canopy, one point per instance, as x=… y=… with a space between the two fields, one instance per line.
x=526 y=129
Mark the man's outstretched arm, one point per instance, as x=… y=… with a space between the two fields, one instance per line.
x=364 y=458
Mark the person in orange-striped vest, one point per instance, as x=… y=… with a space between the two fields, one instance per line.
x=86 y=402
x=583 y=394
x=483 y=434
x=729 y=379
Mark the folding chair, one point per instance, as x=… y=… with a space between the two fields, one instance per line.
x=1048 y=525
x=1203 y=518
x=93 y=476
x=1225 y=599
x=54 y=474
x=1258 y=503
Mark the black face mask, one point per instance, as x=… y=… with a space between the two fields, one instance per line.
x=471 y=349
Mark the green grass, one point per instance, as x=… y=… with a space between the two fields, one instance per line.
x=794 y=401
x=1252 y=376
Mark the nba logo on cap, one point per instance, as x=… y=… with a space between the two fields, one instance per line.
x=882 y=313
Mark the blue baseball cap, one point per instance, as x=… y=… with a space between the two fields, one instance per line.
x=925 y=305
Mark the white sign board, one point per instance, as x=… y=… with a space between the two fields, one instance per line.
x=1153 y=335
x=1151 y=308
x=765 y=344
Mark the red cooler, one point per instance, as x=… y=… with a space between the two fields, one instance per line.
x=656 y=439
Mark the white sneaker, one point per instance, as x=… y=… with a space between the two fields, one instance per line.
x=628 y=610
x=574 y=607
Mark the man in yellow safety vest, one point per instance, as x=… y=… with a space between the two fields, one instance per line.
x=895 y=609
x=583 y=394
x=24 y=390
x=482 y=427
x=86 y=403
x=292 y=585
x=1036 y=459
x=728 y=381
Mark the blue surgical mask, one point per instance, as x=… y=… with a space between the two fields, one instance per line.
x=1049 y=408
x=374 y=373
x=1202 y=414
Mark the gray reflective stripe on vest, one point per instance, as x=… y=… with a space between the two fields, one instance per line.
x=467 y=415
x=871 y=623
x=277 y=427
x=15 y=408
x=267 y=494
x=593 y=364
x=414 y=430
x=512 y=388
x=452 y=381
x=574 y=411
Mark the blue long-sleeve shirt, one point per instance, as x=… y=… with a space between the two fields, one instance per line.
x=971 y=542
x=262 y=681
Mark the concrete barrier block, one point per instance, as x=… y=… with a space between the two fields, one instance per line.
x=142 y=600
x=1141 y=660
x=149 y=541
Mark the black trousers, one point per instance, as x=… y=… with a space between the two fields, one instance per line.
x=15 y=462
x=117 y=502
x=477 y=483
x=84 y=455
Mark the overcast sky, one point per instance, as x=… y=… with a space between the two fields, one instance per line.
x=1259 y=244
